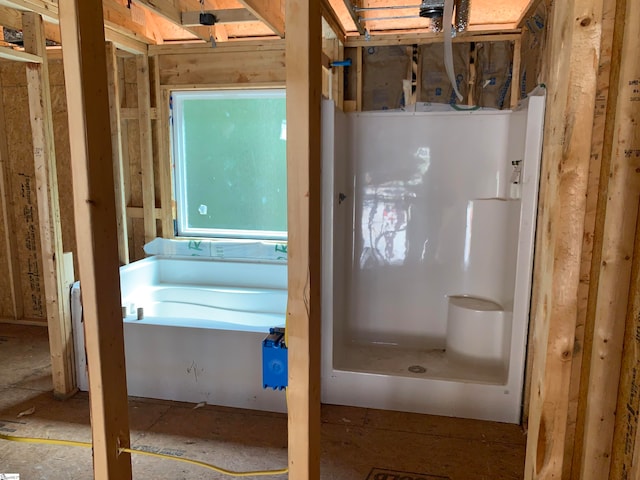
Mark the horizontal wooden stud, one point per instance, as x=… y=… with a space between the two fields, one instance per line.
x=19 y=55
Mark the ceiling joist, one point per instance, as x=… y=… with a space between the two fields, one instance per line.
x=329 y=14
x=131 y=38
x=173 y=10
x=354 y=16
x=47 y=9
x=271 y=12
x=226 y=16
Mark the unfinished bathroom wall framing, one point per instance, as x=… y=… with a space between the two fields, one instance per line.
x=588 y=238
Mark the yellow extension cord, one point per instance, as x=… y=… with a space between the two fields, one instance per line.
x=72 y=443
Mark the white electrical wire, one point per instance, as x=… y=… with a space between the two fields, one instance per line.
x=448 y=46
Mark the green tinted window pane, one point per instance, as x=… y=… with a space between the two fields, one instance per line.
x=235 y=163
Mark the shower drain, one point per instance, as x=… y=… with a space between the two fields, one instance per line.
x=417 y=369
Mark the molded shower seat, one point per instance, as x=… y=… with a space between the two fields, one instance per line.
x=477 y=330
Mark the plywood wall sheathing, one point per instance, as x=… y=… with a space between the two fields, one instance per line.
x=21 y=175
x=11 y=306
x=572 y=50
x=94 y=204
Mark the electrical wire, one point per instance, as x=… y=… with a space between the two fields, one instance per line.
x=72 y=443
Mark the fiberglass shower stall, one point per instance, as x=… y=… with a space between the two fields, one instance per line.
x=429 y=222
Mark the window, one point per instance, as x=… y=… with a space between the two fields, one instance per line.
x=230 y=163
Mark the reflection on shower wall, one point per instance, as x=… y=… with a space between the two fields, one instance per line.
x=416 y=178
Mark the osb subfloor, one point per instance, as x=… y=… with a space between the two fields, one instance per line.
x=357 y=443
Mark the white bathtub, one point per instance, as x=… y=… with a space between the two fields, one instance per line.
x=193 y=329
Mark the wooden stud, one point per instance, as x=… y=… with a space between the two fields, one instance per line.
x=124 y=42
x=625 y=460
x=51 y=251
x=96 y=233
x=6 y=194
x=138 y=212
x=359 y=79
x=515 y=72
x=419 y=73
x=626 y=444
x=132 y=113
x=163 y=136
x=574 y=46
x=337 y=75
x=202 y=50
x=146 y=147
x=591 y=248
x=621 y=153
x=304 y=238
x=18 y=55
x=116 y=146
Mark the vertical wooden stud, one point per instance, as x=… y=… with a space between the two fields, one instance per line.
x=617 y=222
x=162 y=128
x=515 y=72
x=146 y=147
x=337 y=73
x=58 y=318
x=359 y=79
x=303 y=49
x=81 y=26
x=116 y=145
x=591 y=248
x=572 y=50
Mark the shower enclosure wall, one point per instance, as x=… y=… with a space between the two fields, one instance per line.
x=428 y=224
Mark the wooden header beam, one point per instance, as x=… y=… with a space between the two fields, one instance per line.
x=85 y=74
x=424 y=38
